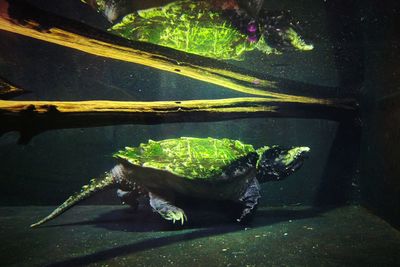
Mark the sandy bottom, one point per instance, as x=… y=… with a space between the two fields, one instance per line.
x=117 y=236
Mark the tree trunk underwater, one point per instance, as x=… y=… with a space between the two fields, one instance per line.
x=20 y=18
x=33 y=117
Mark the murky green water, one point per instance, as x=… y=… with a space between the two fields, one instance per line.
x=298 y=222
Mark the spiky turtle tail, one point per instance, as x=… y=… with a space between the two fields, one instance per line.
x=92 y=188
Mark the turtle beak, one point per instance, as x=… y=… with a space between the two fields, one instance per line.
x=299 y=152
x=277 y=163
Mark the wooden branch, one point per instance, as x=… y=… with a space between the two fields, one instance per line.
x=245 y=104
x=8 y=90
x=20 y=18
x=33 y=117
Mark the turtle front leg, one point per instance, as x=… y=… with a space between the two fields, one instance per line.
x=166 y=209
x=249 y=199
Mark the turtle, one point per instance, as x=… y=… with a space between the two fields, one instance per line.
x=203 y=168
x=222 y=30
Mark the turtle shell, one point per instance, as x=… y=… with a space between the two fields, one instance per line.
x=189 y=26
x=187 y=157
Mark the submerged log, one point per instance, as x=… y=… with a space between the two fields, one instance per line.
x=20 y=18
x=8 y=90
x=33 y=117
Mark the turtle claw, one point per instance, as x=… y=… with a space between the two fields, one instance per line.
x=175 y=215
x=168 y=211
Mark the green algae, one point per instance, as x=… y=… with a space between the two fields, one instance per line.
x=192 y=158
x=186 y=26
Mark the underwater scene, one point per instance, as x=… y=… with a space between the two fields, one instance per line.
x=199 y=133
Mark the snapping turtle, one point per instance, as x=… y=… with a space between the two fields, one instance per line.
x=218 y=29
x=207 y=168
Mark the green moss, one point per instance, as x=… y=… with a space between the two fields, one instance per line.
x=189 y=157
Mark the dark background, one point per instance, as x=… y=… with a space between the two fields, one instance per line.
x=352 y=161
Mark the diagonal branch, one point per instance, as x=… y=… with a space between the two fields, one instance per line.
x=20 y=18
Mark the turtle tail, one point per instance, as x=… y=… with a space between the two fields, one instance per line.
x=92 y=188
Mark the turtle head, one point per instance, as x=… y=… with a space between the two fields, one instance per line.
x=276 y=163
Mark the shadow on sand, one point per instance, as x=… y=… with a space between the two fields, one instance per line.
x=202 y=224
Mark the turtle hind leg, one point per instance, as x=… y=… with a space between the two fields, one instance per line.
x=249 y=200
x=129 y=193
x=167 y=210
x=128 y=198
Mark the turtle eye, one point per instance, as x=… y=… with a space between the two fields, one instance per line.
x=294 y=158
